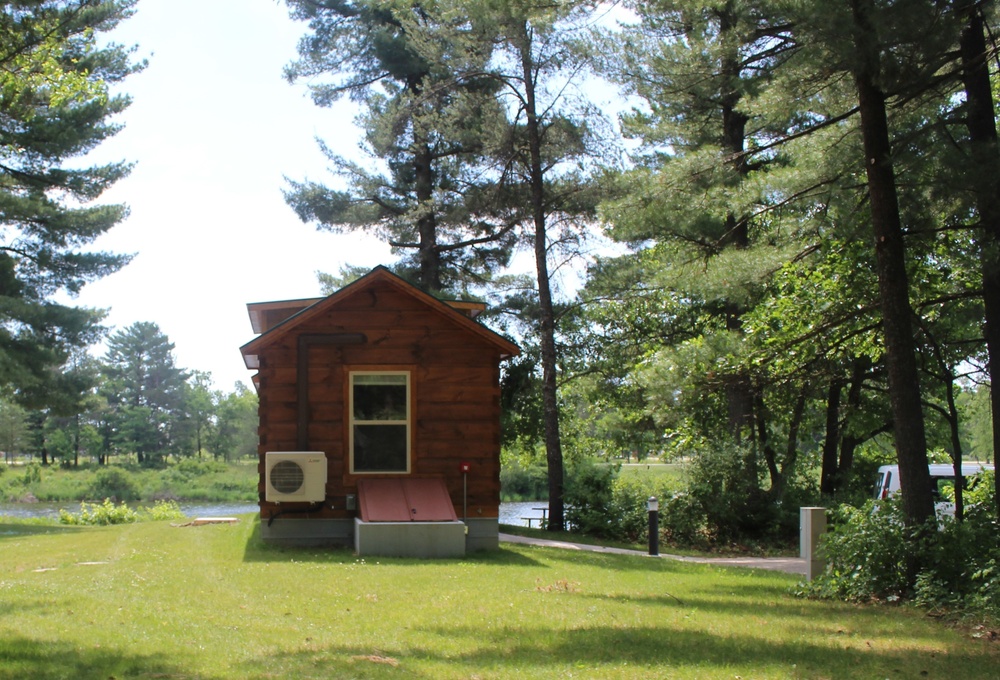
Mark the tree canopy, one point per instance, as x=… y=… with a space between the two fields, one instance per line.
x=55 y=106
x=808 y=212
x=429 y=112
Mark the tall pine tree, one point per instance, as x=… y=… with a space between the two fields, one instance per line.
x=55 y=106
x=541 y=167
x=423 y=131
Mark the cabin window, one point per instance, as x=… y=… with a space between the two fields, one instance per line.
x=380 y=421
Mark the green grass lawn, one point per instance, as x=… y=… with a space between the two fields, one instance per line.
x=155 y=601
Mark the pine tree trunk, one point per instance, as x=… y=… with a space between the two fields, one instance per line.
x=740 y=393
x=893 y=284
x=848 y=440
x=429 y=256
x=985 y=182
x=829 y=470
x=76 y=441
x=956 y=449
x=547 y=342
x=792 y=446
x=765 y=447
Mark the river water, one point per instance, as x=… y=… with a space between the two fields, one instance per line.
x=513 y=513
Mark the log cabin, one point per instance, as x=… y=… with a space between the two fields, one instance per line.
x=379 y=420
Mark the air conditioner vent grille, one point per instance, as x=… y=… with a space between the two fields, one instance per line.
x=287 y=476
x=295 y=476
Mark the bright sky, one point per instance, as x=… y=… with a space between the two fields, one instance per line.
x=214 y=129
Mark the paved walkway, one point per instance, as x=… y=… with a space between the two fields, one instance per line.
x=791 y=565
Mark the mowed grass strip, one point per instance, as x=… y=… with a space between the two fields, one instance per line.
x=155 y=601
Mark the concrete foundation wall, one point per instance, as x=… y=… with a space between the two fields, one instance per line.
x=409 y=539
x=308 y=532
x=482 y=534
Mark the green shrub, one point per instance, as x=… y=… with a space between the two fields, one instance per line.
x=869 y=548
x=718 y=480
x=961 y=565
x=683 y=520
x=32 y=474
x=102 y=514
x=519 y=482
x=630 y=519
x=108 y=512
x=737 y=505
x=630 y=495
x=717 y=502
x=866 y=552
x=195 y=467
x=162 y=510
x=588 y=498
x=599 y=502
x=113 y=482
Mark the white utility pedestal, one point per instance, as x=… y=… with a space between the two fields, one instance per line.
x=812 y=525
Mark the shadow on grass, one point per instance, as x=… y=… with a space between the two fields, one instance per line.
x=667 y=647
x=642 y=562
x=644 y=651
x=21 y=608
x=19 y=529
x=257 y=550
x=22 y=658
x=610 y=561
x=781 y=605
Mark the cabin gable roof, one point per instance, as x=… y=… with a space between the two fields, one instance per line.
x=380 y=276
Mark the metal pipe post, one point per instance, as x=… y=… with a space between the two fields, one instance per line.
x=653 y=508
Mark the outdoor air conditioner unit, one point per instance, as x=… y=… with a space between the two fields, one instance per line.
x=295 y=476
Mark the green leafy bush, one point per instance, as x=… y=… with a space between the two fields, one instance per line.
x=735 y=506
x=114 y=483
x=102 y=514
x=195 y=467
x=866 y=551
x=628 y=507
x=601 y=503
x=108 y=512
x=869 y=548
x=521 y=482
x=588 y=499
x=32 y=474
x=162 y=510
x=683 y=520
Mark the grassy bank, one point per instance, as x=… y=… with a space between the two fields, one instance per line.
x=187 y=480
x=156 y=601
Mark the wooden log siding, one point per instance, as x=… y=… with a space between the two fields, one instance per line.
x=455 y=383
x=303 y=373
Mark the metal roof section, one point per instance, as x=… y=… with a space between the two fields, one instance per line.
x=470 y=309
x=266 y=315
x=405 y=500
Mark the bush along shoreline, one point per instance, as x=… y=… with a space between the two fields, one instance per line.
x=108 y=512
x=187 y=480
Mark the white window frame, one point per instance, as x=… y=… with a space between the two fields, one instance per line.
x=407 y=423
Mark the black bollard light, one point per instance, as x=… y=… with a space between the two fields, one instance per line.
x=653 y=508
